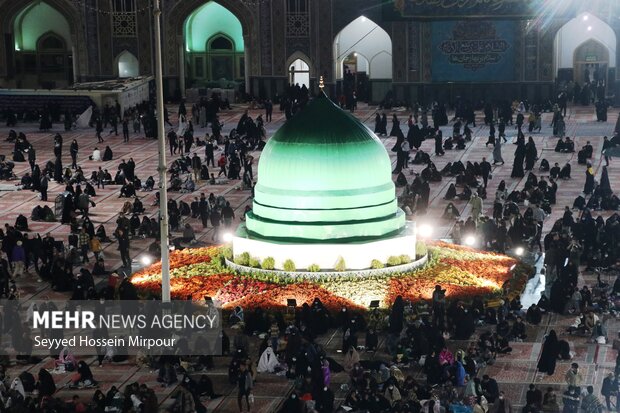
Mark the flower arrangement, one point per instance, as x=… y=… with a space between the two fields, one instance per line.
x=268 y=263
x=463 y=272
x=289 y=266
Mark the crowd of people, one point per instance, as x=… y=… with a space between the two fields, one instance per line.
x=422 y=357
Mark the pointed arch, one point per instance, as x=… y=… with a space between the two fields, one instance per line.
x=297 y=55
x=126 y=64
x=367 y=38
x=358 y=56
x=214 y=42
x=575 y=33
x=299 y=69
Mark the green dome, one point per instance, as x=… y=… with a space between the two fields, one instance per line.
x=324 y=176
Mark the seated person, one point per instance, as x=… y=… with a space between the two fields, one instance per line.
x=534 y=314
x=90 y=189
x=128 y=191
x=579 y=203
x=400 y=180
x=450 y=212
x=96 y=156
x=119 y=178
x=457 y=168
x=564 y=347
x=430 y=173
x=450 y=193
x=460 y=142
x=101 y=234
x=138 y=207
x=569 y=145
x=188 y=233
x=446 y=169
x=145 y=227
x=134 y=224
x=204 y=173
x=99 y=268
x=582 y=156
x=18 y=156
x=555 y=171
x=560 y=146
x=465 y=195
x=189 y=185
x=21 y=223
x=149 y=184
x=78 y=175
x=544 y=166
x=448 y=143
x=518 y=329
x=565 y=172
x=107 y=154
x=107 y=177
x=175 y=183
x=26 y=181
x=127 y=208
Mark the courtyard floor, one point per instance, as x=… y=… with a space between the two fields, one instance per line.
x=513 y=373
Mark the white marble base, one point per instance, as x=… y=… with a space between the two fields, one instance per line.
x=356 y=256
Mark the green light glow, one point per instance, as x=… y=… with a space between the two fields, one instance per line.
x=35 y=20
x=324 y=176
x=208 y=20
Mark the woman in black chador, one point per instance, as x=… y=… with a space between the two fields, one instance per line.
x=549 y=354
x=378 y=124
x=531 y=154
x=395 y=126
x=438 y=143
x=589 y=185
x=517 y=167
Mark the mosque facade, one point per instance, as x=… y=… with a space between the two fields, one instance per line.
x=409 y=50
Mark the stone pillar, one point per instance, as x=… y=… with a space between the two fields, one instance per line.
x=246 y=62
x=182 y=67
x=74 y=61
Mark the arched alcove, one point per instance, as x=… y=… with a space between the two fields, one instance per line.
x=585 y=45
x=299 y=73
x=127 y=65
x=43 y=46
x=365 y=37
x=214 y=47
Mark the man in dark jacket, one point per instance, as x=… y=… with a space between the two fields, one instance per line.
x=43 y=187
x=123 y=246
x=196 y=165
x=32 y=157
x=485 y=168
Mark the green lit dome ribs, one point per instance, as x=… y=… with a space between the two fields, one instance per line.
x=324 y=177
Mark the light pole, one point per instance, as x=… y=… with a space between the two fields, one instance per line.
x=161 y=141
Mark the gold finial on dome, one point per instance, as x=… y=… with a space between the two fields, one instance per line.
x=321 y=83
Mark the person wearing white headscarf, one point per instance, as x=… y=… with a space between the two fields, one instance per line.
x=268 y=361
x=18 y=386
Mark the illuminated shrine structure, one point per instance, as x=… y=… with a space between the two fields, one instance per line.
x=325 y=194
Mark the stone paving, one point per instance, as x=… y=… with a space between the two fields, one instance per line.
x=513 y=372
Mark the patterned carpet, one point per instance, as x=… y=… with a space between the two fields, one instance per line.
x=513 y=372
